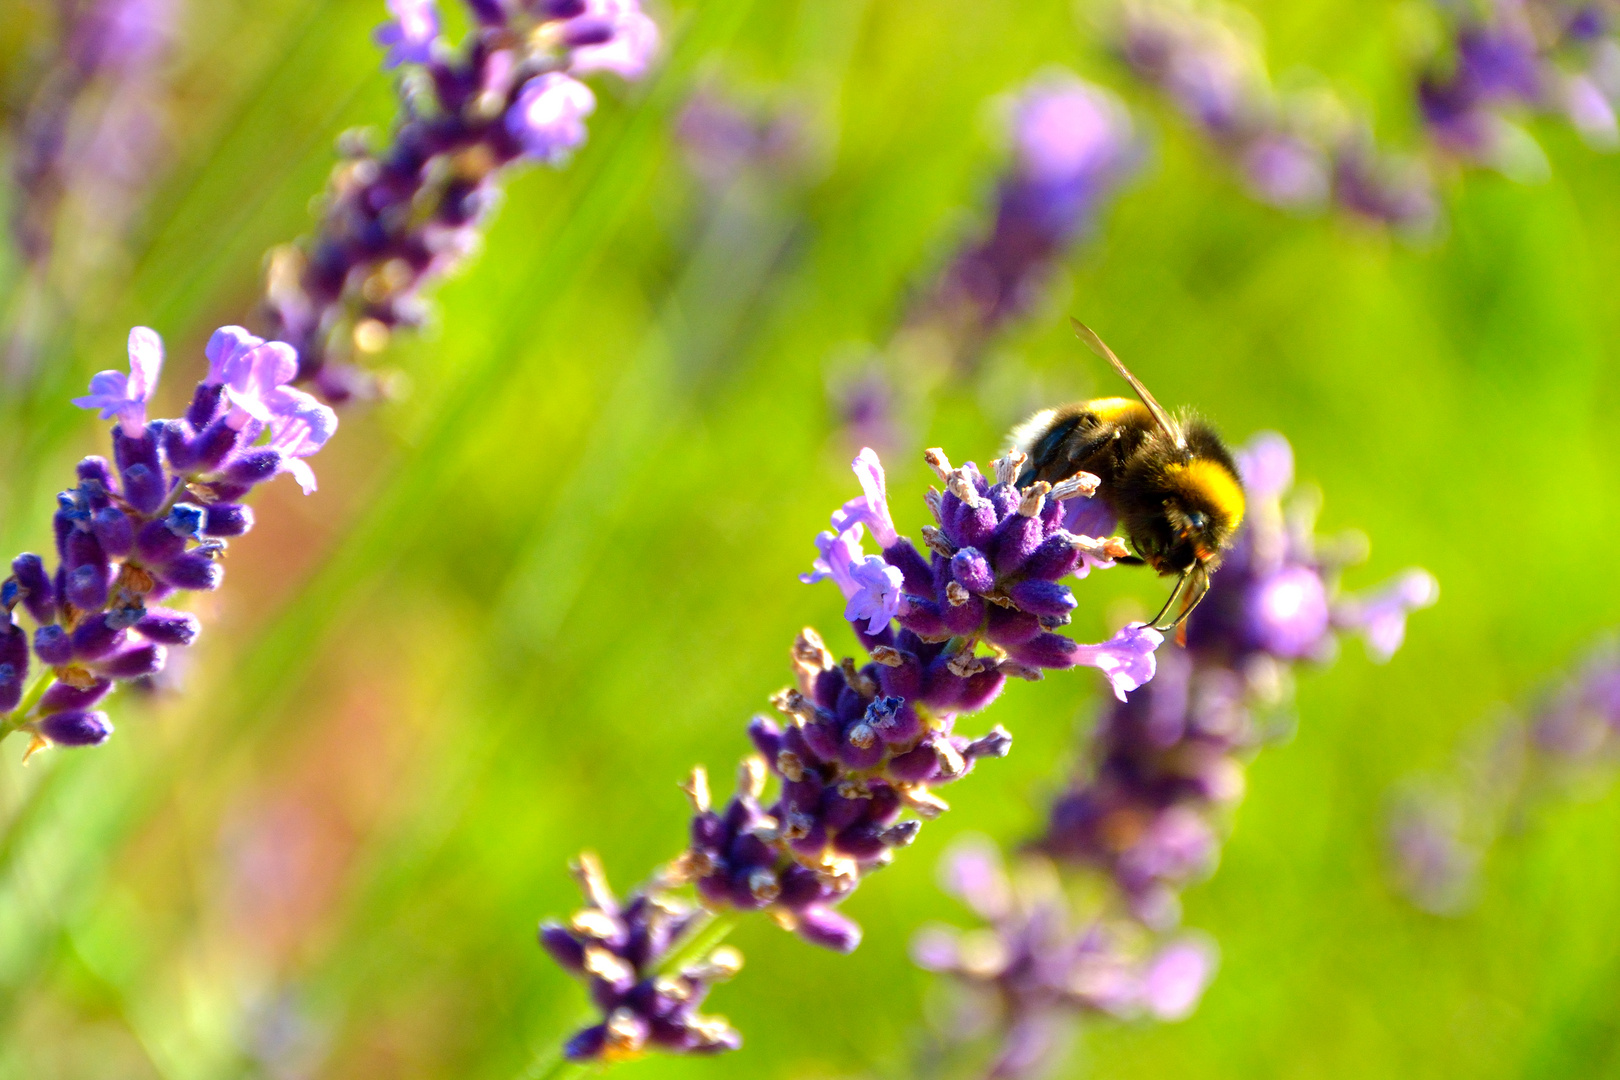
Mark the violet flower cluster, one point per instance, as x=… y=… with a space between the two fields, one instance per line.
x=399 y=217
x=1035 y=966
x=1160 y=773
x=618 y=949
x=77 y=128
x=1297 y=151
x=1074 y=146
x=860 y=750
x=137 y=532
x=1509 y=58
x=1165 y=767
x=1441 y=832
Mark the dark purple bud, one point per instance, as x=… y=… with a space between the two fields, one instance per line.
x=96 y=637
x=1008 y=627
x=13 y=665
x=53 y=646
x=178 y=449
x=587 y=1045
x=204 y=405
x=559 y=9
x=64 y=697
x=157 y=543
x=168 y=627
x=563 y=947
x=982 y=688
x=903 y=834
x=1046 y=650
x=963 y=618
x=95 y=471
x=76 y=728
x=114 y=531
x=144 y=487
x=1016 y=539
x=917 y=576
x=213 y=446
x=1055 y=558
x=254 y=467
x=35 y=586
x=766 y=736
x=227 y=519
x=825 y=927
x=590 y=30
x=192 y=571
x=87 y=586
x=863 y=841
x=972 y=571
x=133 y=661
x=1040 y=597
x=915 y=766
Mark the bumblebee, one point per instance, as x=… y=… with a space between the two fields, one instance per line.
x=1170 y=481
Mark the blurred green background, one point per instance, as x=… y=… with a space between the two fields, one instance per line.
x=535 y=590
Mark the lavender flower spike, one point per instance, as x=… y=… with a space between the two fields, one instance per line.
x=147 y=525
x=617 y=949
x=400 y=216
x=124 y=397
x=849 y=771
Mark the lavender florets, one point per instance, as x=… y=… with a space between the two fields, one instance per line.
x=399 y=217
x=146 y=526
x=861 y=748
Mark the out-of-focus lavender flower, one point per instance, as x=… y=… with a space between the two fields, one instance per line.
x=151 y=523
x=1295 y=151
x=1513 y=58
x=1440 y=833
x=723 y=138
x=619 y=950
x=1164 y=765
x=1035 y=967
x=860 y=749
x=400 y=217
x=1073 y=146
x=86 y=137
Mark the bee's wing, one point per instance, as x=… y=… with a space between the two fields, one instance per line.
x=1089 y=336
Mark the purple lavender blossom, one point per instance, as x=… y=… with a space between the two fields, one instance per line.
x=1074 y=145
x=400 y=217
x=1510 y=59
x=1286 y=152
x=1440 y=833
x=861 y=748
x=112 y=46
x=1036 y=968
x=618 y=950
x=1167 y=763
x=147 y=525
x=410 y=35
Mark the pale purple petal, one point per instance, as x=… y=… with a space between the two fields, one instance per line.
x=227 y=343
x=1127 y=658
x=1381 y=614
x=1289 y=614
x=145 y=363
x=1266 y=466
x=837 y=552
x=409 y=36
x=872 y=507
x=254 y=377
x=877 y=593
x=299 y=424
x=1177 y=977
x=548 y=117
x=972 y=871
x=631 y=49
x=1067 y=128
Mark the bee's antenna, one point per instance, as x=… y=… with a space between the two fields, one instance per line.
x=1095 y=343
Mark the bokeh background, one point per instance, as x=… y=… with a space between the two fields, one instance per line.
x=561 y=567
